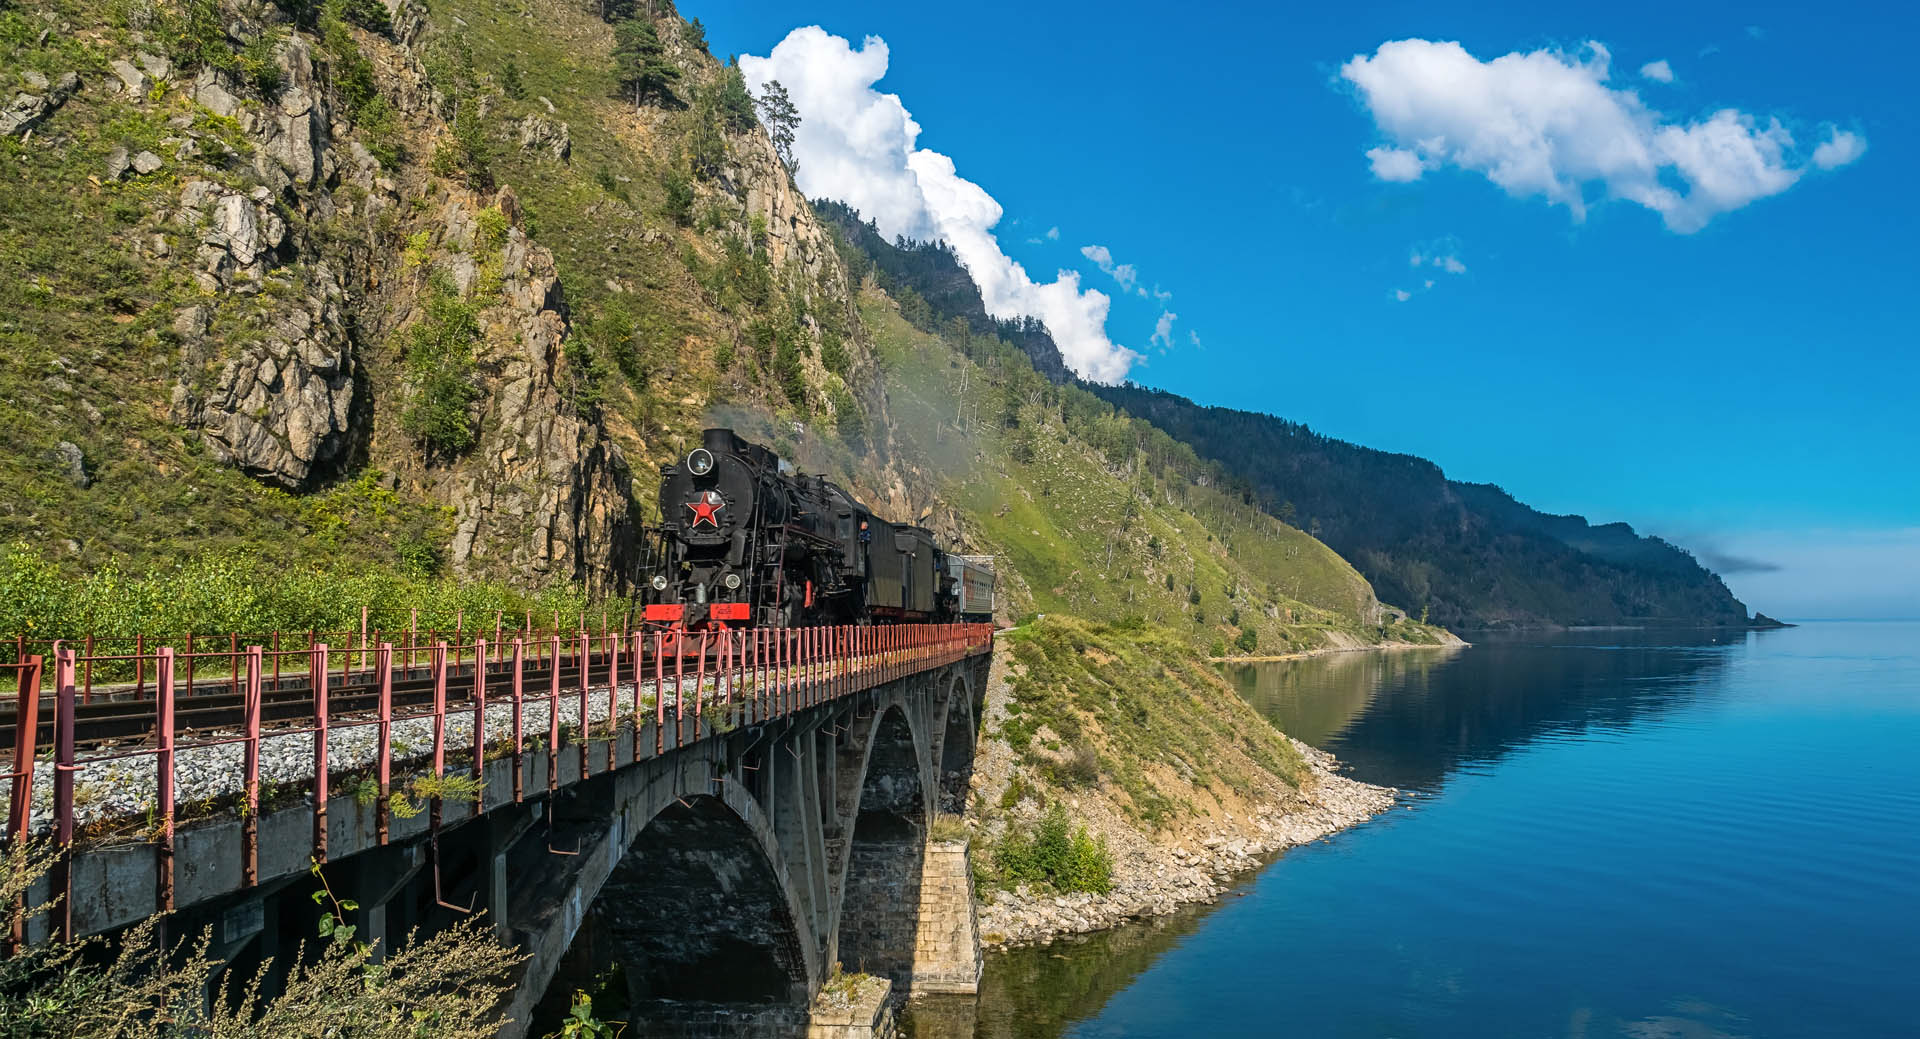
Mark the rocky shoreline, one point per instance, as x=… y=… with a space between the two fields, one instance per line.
x=1194 y=864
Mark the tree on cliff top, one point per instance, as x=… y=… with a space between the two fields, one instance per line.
x=782 y=120
x=640 y=61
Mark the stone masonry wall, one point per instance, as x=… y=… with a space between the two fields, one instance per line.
x=877 y=925
x=946 y=947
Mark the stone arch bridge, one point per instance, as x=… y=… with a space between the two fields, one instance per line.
x=715 y=867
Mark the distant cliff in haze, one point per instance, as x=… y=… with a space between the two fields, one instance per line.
x=1467 y=553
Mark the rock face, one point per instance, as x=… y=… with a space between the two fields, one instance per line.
x=545 y=492
x=282 y=408
x=276 y=400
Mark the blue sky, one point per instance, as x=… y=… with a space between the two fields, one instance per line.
x=1732 y=368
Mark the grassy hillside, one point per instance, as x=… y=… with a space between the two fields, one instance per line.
x=1110 y=532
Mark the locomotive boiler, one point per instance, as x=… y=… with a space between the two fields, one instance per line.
x=746 y=540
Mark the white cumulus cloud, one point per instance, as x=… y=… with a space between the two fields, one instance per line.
x=1658 y=71
x=858 y=145
x=1163 y=329
x=1546 y=123
x=1399 y=164
x=1124 y=273
x=1840 y=148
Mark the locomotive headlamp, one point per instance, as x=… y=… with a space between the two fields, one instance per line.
x=659 y=582
x=732 y=581
x=700 y=462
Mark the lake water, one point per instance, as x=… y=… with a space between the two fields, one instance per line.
x=1604 y=833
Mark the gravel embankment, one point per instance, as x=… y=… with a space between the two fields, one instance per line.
x=1153 y=878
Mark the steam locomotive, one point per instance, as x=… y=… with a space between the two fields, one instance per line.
x=746 y=540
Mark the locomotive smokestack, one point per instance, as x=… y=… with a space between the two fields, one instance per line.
x=720 y=441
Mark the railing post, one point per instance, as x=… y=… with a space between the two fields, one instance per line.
x=519 y=733
x=553 y=712
x=437 y=660
x=586 y=709
x=383 y=665
x=680 y=690
x=250 y=821
x=63 y=769
x=638 y=645
x=164 y=777
x=20 y=807
x=700 y=687
x=322 y=751
x=613 y=695
x=26 y=738
x=479 y=709
x=659 y=695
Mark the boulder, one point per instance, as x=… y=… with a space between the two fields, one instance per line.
x=132 y=80
x=71 y=463
x=548 y=136
x=27 y=111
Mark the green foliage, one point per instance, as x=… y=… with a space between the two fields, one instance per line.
x=1247 y=641
x=787 y=368
x=468 y=154
x=679 y=198
x=580 y=1023
x=697 y=35
x=782 y=120
x=440 y=370
x=370 y=15
x=510 y=82
x=640 y=62
x=445 y=986
x=1054 y=855
x=249 y=595
x=733 y=102
x=492 y=226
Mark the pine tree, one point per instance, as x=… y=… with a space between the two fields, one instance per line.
x=640 y=61
x=782 y=119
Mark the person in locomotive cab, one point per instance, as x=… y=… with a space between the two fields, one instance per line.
x=866 y=536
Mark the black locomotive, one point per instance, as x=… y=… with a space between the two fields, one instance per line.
x=746 y=540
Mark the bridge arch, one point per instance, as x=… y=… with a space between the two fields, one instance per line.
x=953 y=753
x=886 y=849
x=697 y=917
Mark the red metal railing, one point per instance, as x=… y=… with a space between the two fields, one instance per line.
x=715 y=680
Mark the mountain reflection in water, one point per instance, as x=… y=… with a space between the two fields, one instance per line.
x=1606 y=833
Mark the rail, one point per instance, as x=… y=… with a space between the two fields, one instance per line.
x=684 y=685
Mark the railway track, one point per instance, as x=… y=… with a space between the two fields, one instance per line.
x=113 y=718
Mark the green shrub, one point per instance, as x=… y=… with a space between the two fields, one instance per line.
x=1247 y=641
x=1054 y=855
x=679 y=199
x=439 y=358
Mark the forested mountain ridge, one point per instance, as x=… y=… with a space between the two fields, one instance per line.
x=1468 y=554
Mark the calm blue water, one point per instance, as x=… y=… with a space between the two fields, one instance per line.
x=1605 y=834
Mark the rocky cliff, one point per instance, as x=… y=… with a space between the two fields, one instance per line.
x=280 y=194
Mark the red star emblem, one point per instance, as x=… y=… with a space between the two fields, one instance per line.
x=707 y=509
